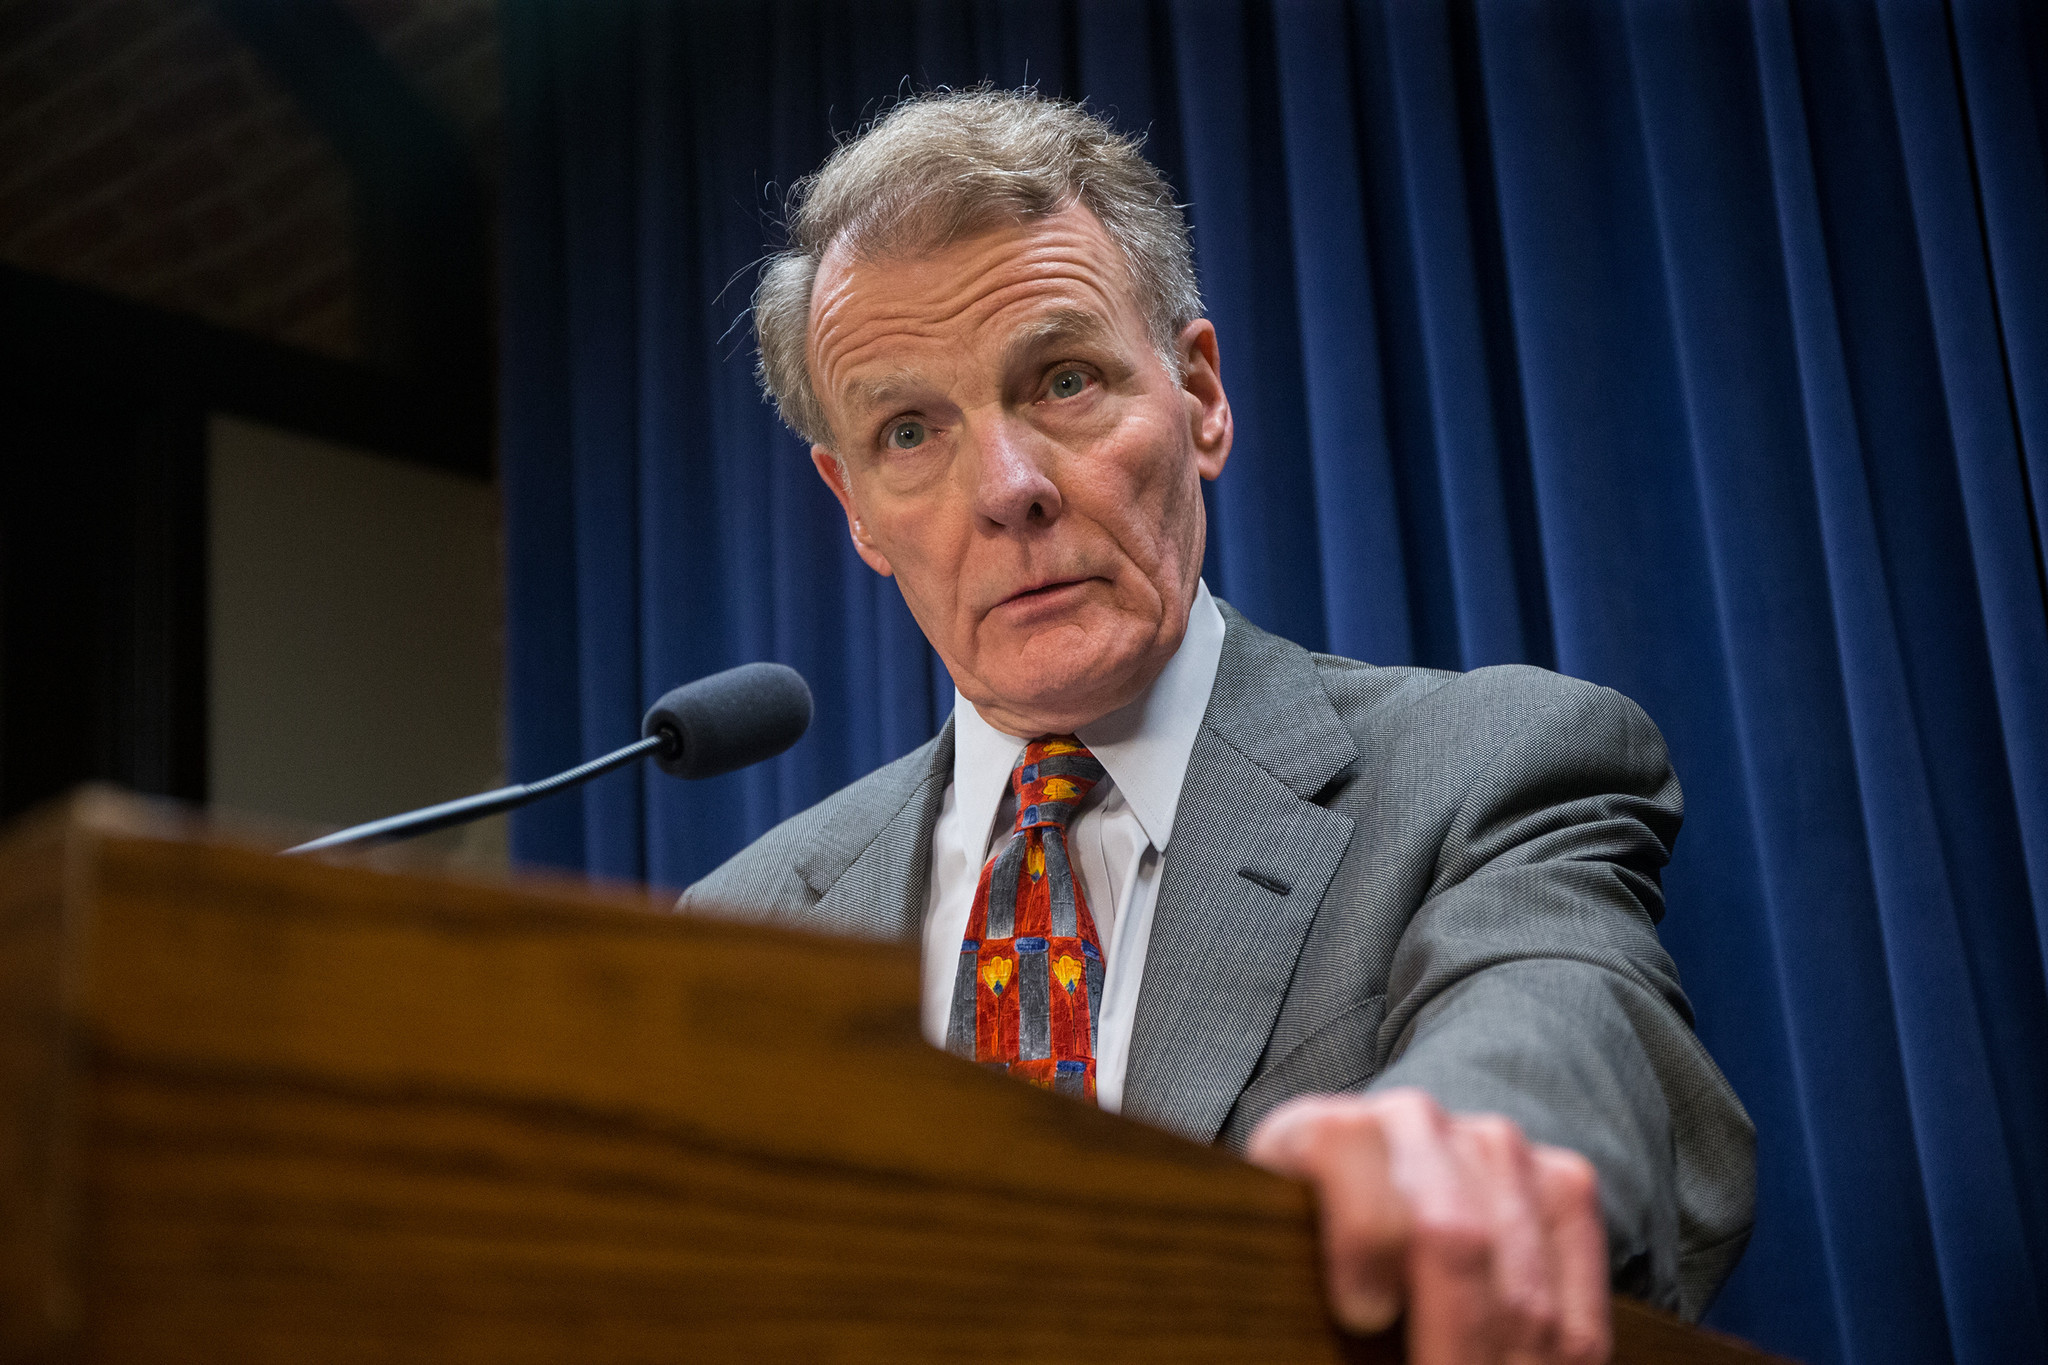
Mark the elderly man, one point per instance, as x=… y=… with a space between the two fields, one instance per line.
x=1385 y=929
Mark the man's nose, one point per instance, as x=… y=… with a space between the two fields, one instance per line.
x=1010 y=464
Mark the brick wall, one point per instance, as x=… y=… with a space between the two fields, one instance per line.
x=145 y=151
x=449 y=49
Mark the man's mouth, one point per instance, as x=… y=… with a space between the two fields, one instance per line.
x=1040 y=590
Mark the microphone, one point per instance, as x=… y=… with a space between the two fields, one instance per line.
x=729 y=720
x=711 y=726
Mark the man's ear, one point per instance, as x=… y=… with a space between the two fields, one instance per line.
x=1207 y=405
x=834 y=474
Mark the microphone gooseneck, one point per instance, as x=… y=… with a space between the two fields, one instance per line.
x=702 y=729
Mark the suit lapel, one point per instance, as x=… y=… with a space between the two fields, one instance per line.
x=872 y=882
x=1250 y=859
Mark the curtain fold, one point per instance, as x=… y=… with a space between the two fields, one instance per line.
x=1696 y=348
x=1843 y=690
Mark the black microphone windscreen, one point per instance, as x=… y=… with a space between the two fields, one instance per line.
x=729 y=719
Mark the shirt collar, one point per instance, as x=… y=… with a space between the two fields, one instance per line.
x=1144 y=746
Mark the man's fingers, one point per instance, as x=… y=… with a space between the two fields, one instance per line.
x=1568 y=1193
x=1452 y=1317
x=1335 y=1143
x=1494 y=1244
x=1502 y=1165
x=1365 y=1225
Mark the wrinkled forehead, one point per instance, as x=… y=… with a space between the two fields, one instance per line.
x=1016 y=287
x=1055 y=328
x=1064 y=261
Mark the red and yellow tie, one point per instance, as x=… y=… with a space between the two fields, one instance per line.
x=1029 y=986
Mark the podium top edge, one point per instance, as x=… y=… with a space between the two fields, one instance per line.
x=94 y=816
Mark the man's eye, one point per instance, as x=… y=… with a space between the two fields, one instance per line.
x=1068 y=383
x=905 y=435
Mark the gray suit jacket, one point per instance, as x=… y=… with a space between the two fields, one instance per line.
x=1382 y=876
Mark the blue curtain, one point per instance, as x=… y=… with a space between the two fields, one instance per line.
x=1696 y=347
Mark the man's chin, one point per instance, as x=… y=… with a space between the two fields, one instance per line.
x=1057 y=695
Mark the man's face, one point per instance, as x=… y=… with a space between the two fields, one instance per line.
x=1018 y=457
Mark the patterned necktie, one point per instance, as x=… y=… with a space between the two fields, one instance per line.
x=1028 y=990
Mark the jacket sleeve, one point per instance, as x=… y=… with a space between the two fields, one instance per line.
x=1530 y=983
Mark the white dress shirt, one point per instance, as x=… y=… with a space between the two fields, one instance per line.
x=1116 y=841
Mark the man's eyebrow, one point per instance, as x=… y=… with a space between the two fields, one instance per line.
x=1061 y=327
x=883 y=390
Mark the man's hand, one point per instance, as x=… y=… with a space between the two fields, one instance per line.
x=1493 y=1244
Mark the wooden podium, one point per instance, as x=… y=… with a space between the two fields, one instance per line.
x=269 y=1109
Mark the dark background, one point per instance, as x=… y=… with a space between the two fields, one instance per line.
x=274 y=211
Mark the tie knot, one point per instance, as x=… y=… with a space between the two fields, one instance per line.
x=1051 y=779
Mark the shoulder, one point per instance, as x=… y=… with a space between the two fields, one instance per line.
x=789 y=867
x=1420 y=726
x=1455 y=716
x=1503 y=754
x=1488 y=711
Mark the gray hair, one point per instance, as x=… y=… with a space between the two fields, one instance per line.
x=944 y=166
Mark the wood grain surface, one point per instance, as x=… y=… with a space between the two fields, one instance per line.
x=265 y=1109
